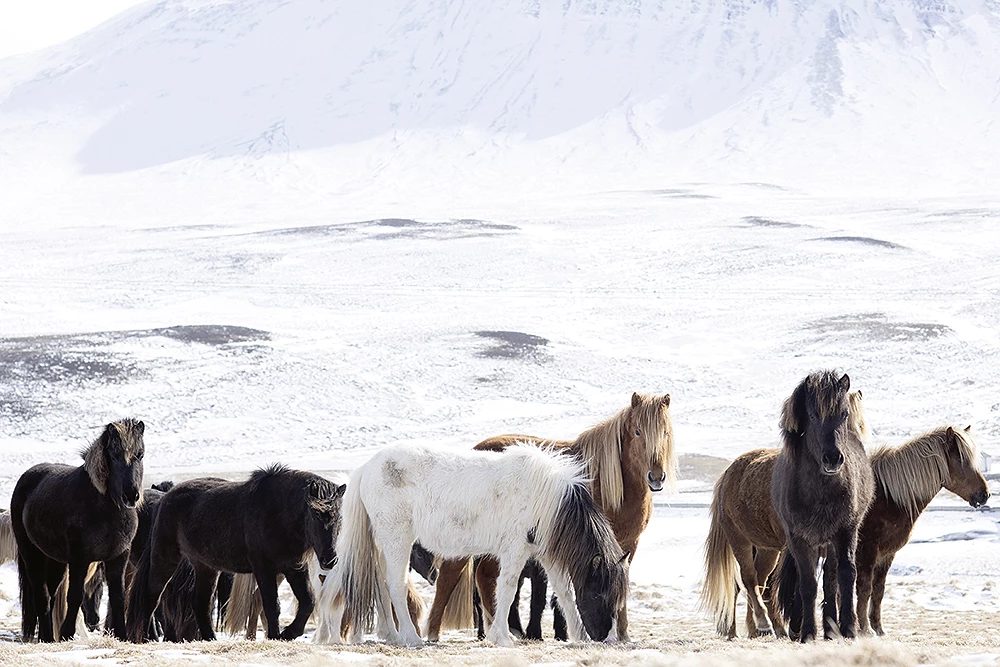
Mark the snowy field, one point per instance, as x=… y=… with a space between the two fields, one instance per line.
x=300 y=232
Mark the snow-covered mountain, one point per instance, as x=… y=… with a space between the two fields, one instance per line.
x=402 y=96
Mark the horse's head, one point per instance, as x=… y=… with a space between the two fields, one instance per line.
x=602 y=594
x=163 y=486
x=323 y=518
x=424 y=562
x=823 y=420
x=648 y=429
x=114 y=462
x=964 y=477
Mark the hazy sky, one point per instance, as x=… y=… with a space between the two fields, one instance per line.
x=28 y=25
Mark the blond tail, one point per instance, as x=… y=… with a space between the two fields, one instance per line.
x=243 y=607
x=60 y=605
x=355 y=579
x=718 y=596
x=458 y=611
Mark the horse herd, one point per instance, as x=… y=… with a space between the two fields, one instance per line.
x=181 y=560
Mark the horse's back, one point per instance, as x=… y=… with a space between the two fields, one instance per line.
x=499 y=443
x=452 y=501
x=745 y=495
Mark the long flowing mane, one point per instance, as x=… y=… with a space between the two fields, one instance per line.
x=601 y=446
x=913 y=473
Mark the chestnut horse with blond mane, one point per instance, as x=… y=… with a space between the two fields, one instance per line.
x=628 y=456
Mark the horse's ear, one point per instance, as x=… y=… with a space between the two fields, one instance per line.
x=845 y=382
x=140 y=427
x=339 y=490
x=110 y=434
x=625 y=557
x=968 y=428
x=860 y=395
x=636 y=399
x=665 y=401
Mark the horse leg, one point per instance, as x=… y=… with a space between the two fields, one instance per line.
x=267 y=585
x=764 y=561
x=878 y=590
x=539 y=584
x=806 y=558
x=74 y=598
x=847 y=575
x=486 y=574
x=559 y=629
x=299 y=581
x=54 y=573
x=566 y=602
x=114 y=575
x=743 y=551
x=396 y=552
x=829 y=606
x=864 y=595
x=514 y=613
x=477 y=614
x=205 y=579
x=93 y=594
x=511 y=566
x=449 y=574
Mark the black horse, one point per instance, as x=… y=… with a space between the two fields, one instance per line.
x=266 y=525
x=63 y=515
x=822 y=486
x=174 y=618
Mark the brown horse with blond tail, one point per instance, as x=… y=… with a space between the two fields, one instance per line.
x=907 y=477
x=629 y=456
x=746 y=538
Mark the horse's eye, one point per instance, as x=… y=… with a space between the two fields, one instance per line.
x=638 y=432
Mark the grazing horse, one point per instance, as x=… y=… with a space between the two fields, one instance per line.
x=628 y=457
x=267 y=525
x=821 y=487
x=907 y=478
x=525 y=502
x=746 y=537
x=63 y=515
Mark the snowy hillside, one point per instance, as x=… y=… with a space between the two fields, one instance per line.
x=398 y=96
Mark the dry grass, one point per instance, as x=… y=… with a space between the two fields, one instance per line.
x=664 y=632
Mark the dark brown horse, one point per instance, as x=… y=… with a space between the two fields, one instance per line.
x=821 y=488
x=628 y=456
x=746 y=536
x=907 y=478
x=65 y=516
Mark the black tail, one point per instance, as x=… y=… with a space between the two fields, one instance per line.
x=29 y=617
x=787 y=589
x=138 y=609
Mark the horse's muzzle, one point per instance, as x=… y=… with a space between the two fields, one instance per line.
x=130 y=499
x=655 y=484
x=979 y=499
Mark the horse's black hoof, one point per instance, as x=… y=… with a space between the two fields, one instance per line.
x=534 y=634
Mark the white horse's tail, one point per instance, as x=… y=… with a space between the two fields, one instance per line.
x=8 y=544
x=458 y=610
x=354 y=582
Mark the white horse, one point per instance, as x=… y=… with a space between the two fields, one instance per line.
x=525 y=502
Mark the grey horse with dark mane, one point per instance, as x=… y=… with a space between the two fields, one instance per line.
x=822 y=486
